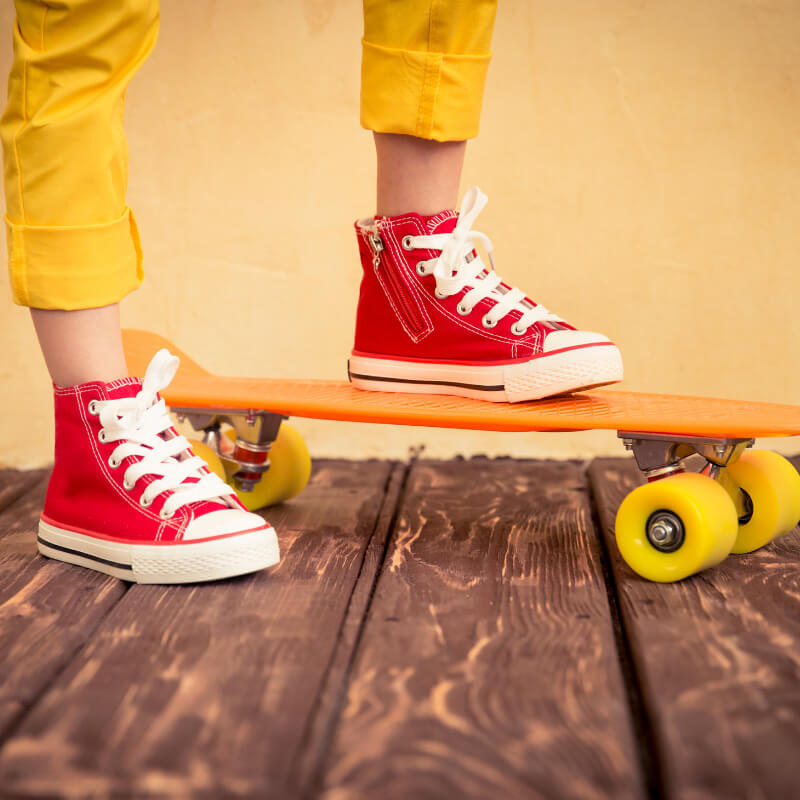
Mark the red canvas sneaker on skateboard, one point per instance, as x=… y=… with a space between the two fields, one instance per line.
x=433 y=319
x=129 y=498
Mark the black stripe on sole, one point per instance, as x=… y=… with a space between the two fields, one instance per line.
x=478 y=387
x=84 y=555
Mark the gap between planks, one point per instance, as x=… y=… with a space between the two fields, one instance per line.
x=48 y=610
x=322 y=721
x=207 y=689
x=651 y=766
x=717 y=657
x=488 y=666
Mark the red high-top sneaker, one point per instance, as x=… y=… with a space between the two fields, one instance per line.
x=433 y=319
x=129 y=498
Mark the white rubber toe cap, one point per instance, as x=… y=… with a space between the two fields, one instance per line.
x=559 y=340
x=222 y=522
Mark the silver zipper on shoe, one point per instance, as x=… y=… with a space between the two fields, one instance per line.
x=406 y=304
x=376 y=243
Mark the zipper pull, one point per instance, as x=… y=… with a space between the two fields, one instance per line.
x=377 y=248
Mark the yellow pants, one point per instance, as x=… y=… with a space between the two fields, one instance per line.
x=72 y=240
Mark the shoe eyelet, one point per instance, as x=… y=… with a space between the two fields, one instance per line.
x=102 y=436
x=463 y=310
x=92 y=408
x=421 y=269
x=407 y=243
x=487 y=322
x=127 y=485
x=441 y=295
x=113 y=462
x=166 y=514
x=144 y=502
x=517 y=331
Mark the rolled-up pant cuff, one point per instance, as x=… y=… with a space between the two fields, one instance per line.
x=422 y=93
x=74 y=267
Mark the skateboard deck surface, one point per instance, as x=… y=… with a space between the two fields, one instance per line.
x=195 y=387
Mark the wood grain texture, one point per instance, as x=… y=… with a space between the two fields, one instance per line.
x=488 y=665
x=718 y=661
x=15 y=482
x=207 y=689
x=48 y=609
x=307 y=766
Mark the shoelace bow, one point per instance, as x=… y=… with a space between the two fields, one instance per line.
x=139 y=422
x=454 y=269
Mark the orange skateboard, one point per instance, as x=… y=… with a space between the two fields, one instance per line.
x=677 y=524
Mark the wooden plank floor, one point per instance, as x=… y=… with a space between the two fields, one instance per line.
x=717 y=660
x=435 y=629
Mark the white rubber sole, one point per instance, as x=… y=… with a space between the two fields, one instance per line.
x=183 y=562
x=557 y=373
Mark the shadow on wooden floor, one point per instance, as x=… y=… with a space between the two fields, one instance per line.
x=435 y=629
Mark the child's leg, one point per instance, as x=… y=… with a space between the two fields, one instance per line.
x=432 y=318
x=126 y=495
x=73 y=243
x=82 y=345
x=417 y=173
x=423 y=72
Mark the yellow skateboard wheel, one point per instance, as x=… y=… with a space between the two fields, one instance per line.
x=288 y=473
x=772 y=487
x=672 y=528
x=209 y=456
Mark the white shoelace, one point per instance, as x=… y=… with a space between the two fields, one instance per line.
x=456 y=269
x=139 y=422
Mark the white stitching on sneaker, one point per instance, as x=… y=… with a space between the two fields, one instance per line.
x=456 y=269
x=79 y=392
x=143 y=427
x=398 y=257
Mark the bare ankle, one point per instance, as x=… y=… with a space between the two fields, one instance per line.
x=81 y=346
x=417 y=174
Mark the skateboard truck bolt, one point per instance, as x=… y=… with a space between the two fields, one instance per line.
x=255 y=429
x=661 y=455
x=665 y=531
x=663 y=472
x=253 y=460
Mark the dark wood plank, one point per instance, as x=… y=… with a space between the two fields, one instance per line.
x=488 y=665
x=718 y=661
x=15 y=482
x=48 y=609
x=309 y=761
x=207 y=689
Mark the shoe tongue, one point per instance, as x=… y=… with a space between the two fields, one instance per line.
x=443 y=222
x=123 y=387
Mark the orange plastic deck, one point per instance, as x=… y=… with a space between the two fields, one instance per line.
x=195 y=387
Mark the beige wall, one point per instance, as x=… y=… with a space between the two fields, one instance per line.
x=642 y=160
